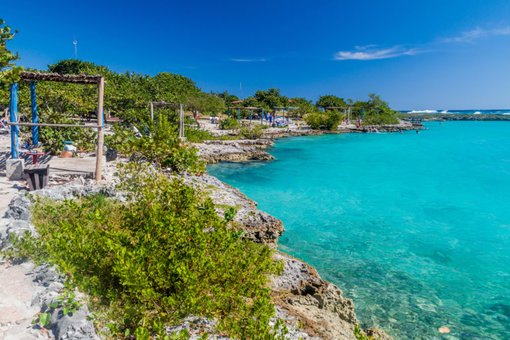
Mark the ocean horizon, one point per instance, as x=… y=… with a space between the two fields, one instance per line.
x=455 y=111
x=415 y=228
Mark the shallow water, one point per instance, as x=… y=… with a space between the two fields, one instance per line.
x=415 y=228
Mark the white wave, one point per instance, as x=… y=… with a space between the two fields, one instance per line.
x=423 y=111
x=477 y=113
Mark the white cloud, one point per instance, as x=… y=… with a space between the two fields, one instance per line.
x=370 y=52
x=478 y=33
x=248 y=60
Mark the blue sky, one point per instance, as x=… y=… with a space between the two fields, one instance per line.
x=416 y=54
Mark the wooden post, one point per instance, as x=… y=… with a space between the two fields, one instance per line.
x=181 y=121
x=35 y=113
x=152 y=111
x=100 y=132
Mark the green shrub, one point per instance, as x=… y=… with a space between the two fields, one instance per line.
x=121 y=139
x=381 y=118
x=197 y=135
x=160 y=145
x=53 y=138
x=229 y=124
x=254 y=132
x=323 y=120
x=160 y=256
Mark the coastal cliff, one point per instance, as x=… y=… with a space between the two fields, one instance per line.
x=317 y=306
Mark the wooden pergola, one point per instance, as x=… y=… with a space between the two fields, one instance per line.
x=251 y=109
x=155 y=104
x=33 y=78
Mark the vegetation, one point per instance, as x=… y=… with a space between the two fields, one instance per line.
x=328 y=120
x=252 y=132
x=8 y=71
x=229 y=123
x=330 y=101
x=159 y=145
x=136 y=262
x=375 y=111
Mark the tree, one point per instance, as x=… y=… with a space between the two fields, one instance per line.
x=302 y=106
x=374 y=111
x=228 y=98
x=269 y=99
x=330 y=101
x=8 y=71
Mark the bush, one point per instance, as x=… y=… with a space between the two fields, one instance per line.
x=160 y=145
x=162 y=255
x=253 y=132
x=197 y=135
x=323 y=120
x=53 y=138
x=229 y=124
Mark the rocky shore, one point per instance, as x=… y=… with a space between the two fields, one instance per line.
x=311 y=307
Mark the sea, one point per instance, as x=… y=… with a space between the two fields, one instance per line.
x=414 y=227
x=466 y=112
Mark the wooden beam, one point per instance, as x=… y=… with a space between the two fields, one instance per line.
x=56 y=125
x=64 y=78
x=100 y=132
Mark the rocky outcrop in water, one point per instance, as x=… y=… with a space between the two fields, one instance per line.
x=234 y=150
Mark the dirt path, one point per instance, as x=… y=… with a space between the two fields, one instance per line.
x=16 y=287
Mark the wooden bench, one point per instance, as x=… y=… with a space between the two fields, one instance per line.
x=37 y=176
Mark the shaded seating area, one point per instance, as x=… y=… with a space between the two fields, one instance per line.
x=40 y=163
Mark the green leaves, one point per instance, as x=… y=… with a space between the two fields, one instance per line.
x=43 y=320
x=8 y=72
x=328 y=120
x=163 y=254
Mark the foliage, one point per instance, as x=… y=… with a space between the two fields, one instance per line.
x=161 y=255
x=360 y=335
x=206 y=103
x=229 y=123
x=8 y=72
x=270 y=99
x=121 y=139
x=127 y=95
x=161 y=146
x=330 y=101
x=303 y=106
x=228 y=98
x=253 y=132
x=197 y=135
x=53 y=138
x=375 y=111
x=328 y=120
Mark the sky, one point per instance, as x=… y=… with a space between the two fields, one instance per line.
x=432 y=54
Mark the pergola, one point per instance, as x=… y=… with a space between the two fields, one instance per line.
x=247 y=108
x=153 y=105
x=33 y=78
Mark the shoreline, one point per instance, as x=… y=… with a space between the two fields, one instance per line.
x=244 y=150
x=311 y=286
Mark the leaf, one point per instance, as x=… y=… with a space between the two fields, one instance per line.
x=44 y=319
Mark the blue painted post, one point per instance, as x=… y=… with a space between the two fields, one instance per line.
x=262 y=117
x=35 y=113
x=13 y=109
x=251 y=116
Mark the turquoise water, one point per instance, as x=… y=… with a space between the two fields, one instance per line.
x=415 y=228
